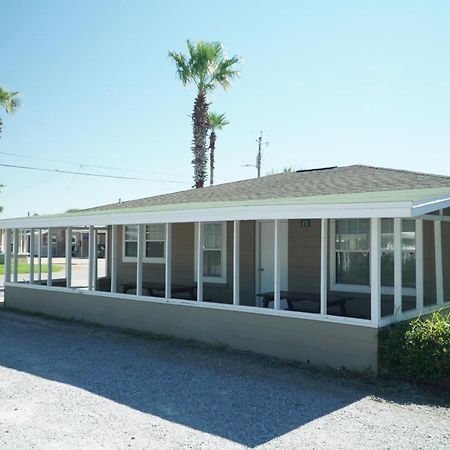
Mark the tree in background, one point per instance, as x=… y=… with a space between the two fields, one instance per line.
x=9 y=102
x=216 y=122
x=207 y=66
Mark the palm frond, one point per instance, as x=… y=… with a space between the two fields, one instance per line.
x=9 y=100
x=217 y=121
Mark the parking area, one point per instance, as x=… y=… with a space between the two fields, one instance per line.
x=70 y=385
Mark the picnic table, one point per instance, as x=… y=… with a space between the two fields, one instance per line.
x=154 y=287
x=296 y=297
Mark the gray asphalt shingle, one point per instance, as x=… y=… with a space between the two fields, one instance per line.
x=328 y=181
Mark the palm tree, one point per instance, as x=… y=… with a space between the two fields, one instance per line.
x=9 y=102
x=206 y=66
x=216 y=122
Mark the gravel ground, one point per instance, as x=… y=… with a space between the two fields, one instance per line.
x=66 y=385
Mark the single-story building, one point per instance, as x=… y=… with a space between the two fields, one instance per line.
x=307 y=265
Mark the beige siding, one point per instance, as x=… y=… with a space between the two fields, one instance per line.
x=332 y=344
x=304 y=256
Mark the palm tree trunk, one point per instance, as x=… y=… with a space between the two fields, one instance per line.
x=200 y=122
x=212 y=148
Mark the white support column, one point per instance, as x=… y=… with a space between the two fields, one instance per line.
x=323 y=267
x=375 y=270
x=49 y=256
x=91 y=258
x=419 y=264
x=276 y=265
x=15 y=255
x=199 y=251
x=8 y=255
x=69 y=257
x=107 y=254
x=31 y=251
x=95 y=264
x=140 y=258
x=168 y=267
x=439 y=266
x=236 y=261
x=114 y=258
x=397 y=266
x=40 y=255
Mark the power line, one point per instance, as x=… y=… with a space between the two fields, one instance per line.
x=72 y=172
x=122 y=169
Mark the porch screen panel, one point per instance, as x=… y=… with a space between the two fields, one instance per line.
x=352 y=251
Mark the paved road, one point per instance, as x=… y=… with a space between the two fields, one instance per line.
x=69 y=386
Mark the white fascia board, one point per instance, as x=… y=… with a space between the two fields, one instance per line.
x=260 y=212
x=428 y=205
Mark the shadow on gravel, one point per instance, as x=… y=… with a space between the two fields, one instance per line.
x=240 y=397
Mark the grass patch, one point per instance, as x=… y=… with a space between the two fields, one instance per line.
x=25 y=268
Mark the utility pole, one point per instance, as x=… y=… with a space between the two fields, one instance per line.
x=259 y=155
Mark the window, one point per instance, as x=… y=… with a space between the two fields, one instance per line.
x=214 y=252
x=408 y=240
x=352 y=246
x=155 y=235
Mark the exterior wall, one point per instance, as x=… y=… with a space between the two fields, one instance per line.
x=429 y=263
x=446 y=258
x=183 y=263
x=324 y=343
x=304 y=256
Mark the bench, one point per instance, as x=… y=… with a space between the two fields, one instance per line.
x=155 y=288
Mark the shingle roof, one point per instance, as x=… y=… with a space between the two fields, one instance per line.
x=318 y=182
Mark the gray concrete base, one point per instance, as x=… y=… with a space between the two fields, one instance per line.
x=322 y=343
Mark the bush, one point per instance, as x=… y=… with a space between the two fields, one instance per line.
x=419 y=349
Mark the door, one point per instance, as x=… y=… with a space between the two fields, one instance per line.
x=265 y=260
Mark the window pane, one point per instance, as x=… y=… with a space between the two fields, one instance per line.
x=409 y=269
x=154 y=249
x=408 y=235
x=131 y=249
x=131 y=232
x=155 y=232
x=387 y=234
x=352 y=234
x=212 y=236
x=387 y=269
x=212 y=263
x=352 y=268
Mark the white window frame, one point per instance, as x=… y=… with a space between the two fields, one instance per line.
x=357 y=288
x=223 y=278
x=149 y=260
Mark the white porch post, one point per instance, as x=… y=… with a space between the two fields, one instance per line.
x=276 y=265
x=15 y=255
x=375 y=269
x=140 y=258
x=69 y=257
x=199 y=251
x=168 y=267
x=114 y=258
x=95 y=265
x=8 y=255
x=419 y=264
x=91 y=251
x=40 y=255
x=323 y=267
x=438 y=259
x=31 y=250
x=397 y=266
x=49 y=256
x=236 y=261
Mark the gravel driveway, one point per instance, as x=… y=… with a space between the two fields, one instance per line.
x=66 y=385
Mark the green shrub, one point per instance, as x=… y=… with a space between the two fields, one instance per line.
x=419 y=349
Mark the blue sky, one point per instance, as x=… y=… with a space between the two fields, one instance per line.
x=328 y=82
